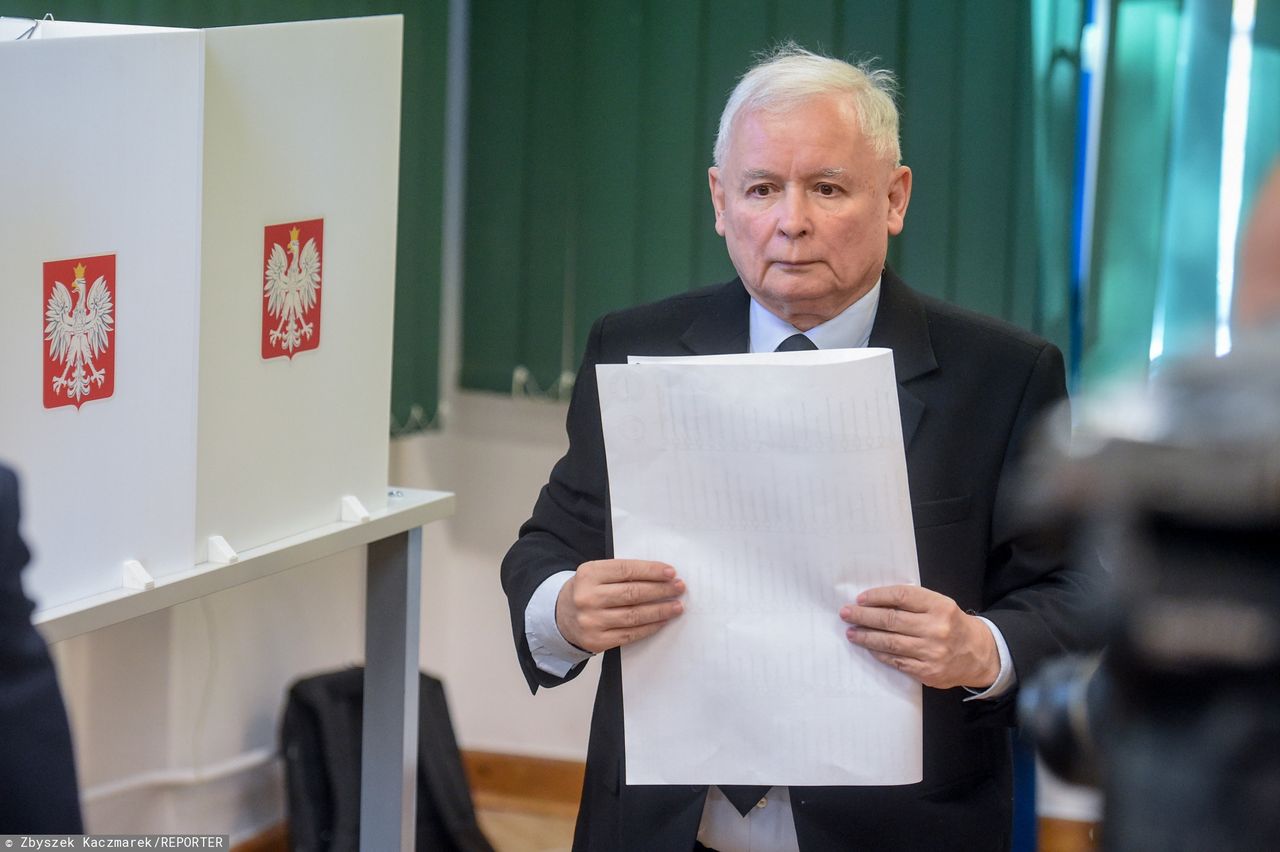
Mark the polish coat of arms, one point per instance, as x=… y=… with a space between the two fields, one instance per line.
x=291 y=288
x=79 y=330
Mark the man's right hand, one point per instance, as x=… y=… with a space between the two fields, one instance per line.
x=613 y=602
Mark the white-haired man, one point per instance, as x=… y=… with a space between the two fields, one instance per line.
x=807 y=189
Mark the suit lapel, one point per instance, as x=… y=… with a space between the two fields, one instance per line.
x=901 y=325
x=721 y=327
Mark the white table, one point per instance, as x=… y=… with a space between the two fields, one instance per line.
x=393 y=536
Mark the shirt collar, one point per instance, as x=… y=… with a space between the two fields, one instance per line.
x=849 y=329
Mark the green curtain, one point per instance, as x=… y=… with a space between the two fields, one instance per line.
x=1055 y=39
x=1186 y=294
x=1156 y=252
x=417 y=326
x=591 y=125
x=1132 y=170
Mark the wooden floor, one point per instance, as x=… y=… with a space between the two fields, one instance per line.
x=516 y=831
x=525 y=804
x=529 y=805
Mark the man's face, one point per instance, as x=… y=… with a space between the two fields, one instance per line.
x=806 y=207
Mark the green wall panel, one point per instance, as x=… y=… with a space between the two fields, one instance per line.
x=417 y=325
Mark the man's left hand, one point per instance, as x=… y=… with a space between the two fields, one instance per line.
x=924 y=634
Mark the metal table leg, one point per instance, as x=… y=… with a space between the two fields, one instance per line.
x=389 y=762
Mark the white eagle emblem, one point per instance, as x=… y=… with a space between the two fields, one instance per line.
x=78 y=334
x=291 y=288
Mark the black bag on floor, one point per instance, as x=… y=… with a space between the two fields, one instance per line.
x=320 y=742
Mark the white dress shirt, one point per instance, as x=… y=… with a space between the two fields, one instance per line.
x=770 y=827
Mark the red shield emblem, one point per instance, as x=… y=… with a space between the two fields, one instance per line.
x=79 y=330
x=291 y=287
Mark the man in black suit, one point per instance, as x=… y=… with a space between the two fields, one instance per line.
x=37 y=772
x=807 y=188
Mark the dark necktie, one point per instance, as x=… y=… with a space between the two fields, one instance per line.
x=743 y=797
x=796 y=343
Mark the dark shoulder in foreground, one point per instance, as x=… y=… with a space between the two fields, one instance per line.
x=8 y=486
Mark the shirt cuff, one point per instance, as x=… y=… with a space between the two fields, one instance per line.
x=552 y=653
x=1007 y=677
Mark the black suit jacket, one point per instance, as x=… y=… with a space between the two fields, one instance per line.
x=37 y=772
x=969 y=390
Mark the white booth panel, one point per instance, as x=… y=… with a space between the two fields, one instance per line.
x=101 y=153
x=301 y=123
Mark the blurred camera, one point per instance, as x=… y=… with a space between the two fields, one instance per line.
x=1175 y=487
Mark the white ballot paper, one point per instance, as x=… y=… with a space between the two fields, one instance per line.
x=776 y=484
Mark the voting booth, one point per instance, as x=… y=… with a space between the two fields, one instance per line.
x=197 y=263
